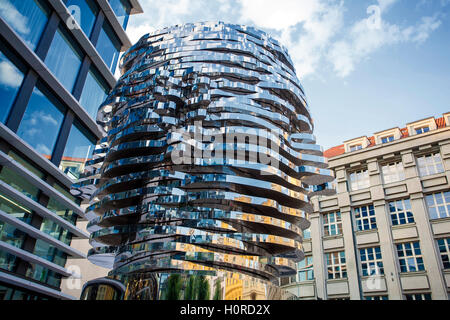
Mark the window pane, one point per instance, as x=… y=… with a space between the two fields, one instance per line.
x=27 y=18
x=48 y=252
x=64 y=59
x=121 y=8
x=88 y=12
x=19 y=183
x=94 y=93
x=41 y=123
x=15 y=209
x=10 y=80
x=62 y=211
x=7 y=262
x=78 y=150
x=11 y=235
x=108 y=46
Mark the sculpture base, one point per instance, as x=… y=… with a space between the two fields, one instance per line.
x=223 y=285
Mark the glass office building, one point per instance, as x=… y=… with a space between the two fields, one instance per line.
x=200 y=190
x=57 y=60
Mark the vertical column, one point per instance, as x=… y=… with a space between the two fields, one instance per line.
x=347 y=230
x=47 y=36
x=317 y=251
x=387 y=248
x=62 y=138
x=20 y=104
x=386 y=240
x=350 y=253
x=445 y=154
x=430 y=255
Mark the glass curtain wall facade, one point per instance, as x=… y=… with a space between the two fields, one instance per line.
x=225 y=211
x=49 y=87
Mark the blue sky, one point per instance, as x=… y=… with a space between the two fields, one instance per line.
x=366 y=65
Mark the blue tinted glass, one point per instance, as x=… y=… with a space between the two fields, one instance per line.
x=64 y=60
x=78 y=150
x=108 y=47
x=307 y=234
x=94 y=93
x=41 y=123
x=87 y=13
x=27 y=17
x=10 y=80
x=46 y=251
x=11 y=235
x=122 y=9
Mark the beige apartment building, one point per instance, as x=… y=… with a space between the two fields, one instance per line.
x=386 y=232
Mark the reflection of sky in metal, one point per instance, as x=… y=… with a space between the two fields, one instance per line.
x=167 y=191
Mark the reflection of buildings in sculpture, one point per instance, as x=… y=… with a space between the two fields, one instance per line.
x=233 y=287
x=152 y=213
x=253 y=289
x=73 y=166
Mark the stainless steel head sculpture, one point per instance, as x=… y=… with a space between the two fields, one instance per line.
x=208 y=163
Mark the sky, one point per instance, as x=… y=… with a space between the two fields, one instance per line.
x=366 y=65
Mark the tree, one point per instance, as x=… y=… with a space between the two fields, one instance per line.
x=218 y=290
x=203 y=288
x=174 y=284
x=189 y=293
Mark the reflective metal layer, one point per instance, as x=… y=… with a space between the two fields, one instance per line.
x=209 y=160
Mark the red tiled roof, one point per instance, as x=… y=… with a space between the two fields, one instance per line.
x=334 y=151
x=440 y=122
x=338 y=150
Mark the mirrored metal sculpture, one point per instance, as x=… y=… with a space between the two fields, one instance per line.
x=205 y=175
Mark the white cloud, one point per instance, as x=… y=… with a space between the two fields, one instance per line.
x=279 y=15
x=43 y=149
x=362 y=40
x=314 y=31
x=14 y=17
x=45 y=117
x=9 y=76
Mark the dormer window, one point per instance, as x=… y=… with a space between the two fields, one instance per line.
x=355 y=147
x=387 y=139
x=422 y=130
x=421 y=126
x=356 y=144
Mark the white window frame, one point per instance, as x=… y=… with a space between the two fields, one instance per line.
x=336 y=265
x=438 y=210
x=370 y=263
x=446 y=253
x=355 y=147
x=414 y=296
x=332 y=220
x=389 y=138
x=405 y=204
x=410 y=260
x=429 y=164
x=368 y=220
x=307 y=234
x=378 y=297
x=422 y=129
x=393 y=172
x=359 y=179
x=307 y=270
